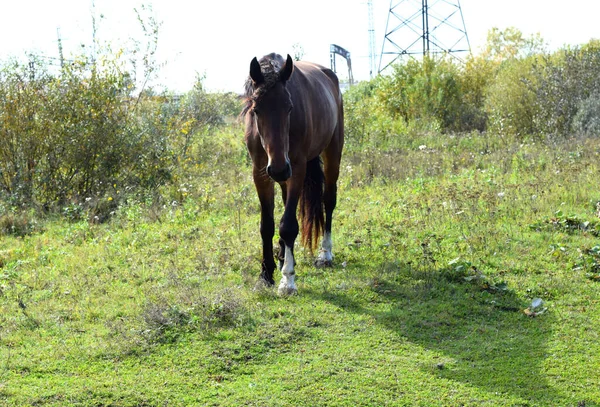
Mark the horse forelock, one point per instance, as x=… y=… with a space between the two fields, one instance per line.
x=270 y=66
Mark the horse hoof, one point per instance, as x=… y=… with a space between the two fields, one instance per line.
x=262 y=285
x=320 y=263
x=285 y=291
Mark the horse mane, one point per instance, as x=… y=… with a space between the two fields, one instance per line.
x=270 y=66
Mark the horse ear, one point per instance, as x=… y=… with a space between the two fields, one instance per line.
x=287 y=70
x=255 y=72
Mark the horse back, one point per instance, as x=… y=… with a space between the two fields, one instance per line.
x=317 y=101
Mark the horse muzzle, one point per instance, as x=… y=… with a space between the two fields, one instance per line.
x=280 y=174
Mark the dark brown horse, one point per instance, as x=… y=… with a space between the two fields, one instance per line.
x=294 y=123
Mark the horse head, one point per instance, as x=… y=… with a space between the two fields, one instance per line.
x=270 y=106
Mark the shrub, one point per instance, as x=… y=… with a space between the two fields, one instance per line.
x=587 y=119
x=424 y=90
x=510 y=99
x=476 y=76
x=85 y=137
x=367 y=122
x=75 y=135
x=566 y=82
x=23 y=134
x=197 y=114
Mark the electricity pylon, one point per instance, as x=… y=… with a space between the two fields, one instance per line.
x=423 y=27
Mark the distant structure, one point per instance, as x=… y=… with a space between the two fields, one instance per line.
x=422 y=27
x=372 y=54
x=337 y=50
x=60 y=49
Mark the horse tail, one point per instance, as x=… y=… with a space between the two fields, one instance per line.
x=311 y=204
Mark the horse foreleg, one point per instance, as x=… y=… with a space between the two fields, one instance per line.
x=266 y=196
x=281 y=254
x=288 y=232
x=287 y=285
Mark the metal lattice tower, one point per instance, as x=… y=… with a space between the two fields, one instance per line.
x=423 y=27
x=372 y=54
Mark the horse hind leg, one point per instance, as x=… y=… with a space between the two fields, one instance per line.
x=331 y=169
x=325 y=256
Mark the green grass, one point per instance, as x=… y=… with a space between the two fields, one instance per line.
x=441 y=244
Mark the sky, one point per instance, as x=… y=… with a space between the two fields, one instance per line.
x=217 y=39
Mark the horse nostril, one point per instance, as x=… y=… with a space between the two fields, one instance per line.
x=280 y=176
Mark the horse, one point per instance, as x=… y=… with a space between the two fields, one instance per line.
x=294 y=133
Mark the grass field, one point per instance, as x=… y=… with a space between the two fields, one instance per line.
x=442 y=243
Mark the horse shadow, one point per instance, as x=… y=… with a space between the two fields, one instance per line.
x=478 y=326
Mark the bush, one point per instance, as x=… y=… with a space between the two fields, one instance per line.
x=587 y=119
x=513 y=88
x=196 y=115
x=424 y=90
x=476 y=76
x=74 y=136
x=566 y=82
x=367 y=122
x=81 y=140
x=22 y=132
x=510 y=100
x=435 y=93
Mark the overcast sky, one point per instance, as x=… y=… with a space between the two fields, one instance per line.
x=219 y=38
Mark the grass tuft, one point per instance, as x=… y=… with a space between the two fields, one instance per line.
x=18 y=224
x=166 y=322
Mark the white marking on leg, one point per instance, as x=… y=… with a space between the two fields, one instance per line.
x=287 y=286
x=325 y=257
